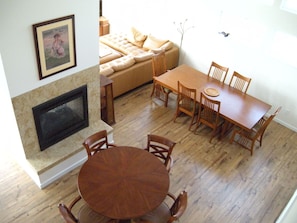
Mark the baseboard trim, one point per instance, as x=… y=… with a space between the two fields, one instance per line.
x=289 y=214
x=61 y=169
x=56 y=172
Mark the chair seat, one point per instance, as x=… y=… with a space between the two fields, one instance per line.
x=87 y=215
x=160 y=215
x=165 y=213
x=167 y=90
x=185 y=103
x=209 y=115
x=247 y=139
x=191 y=106
x=159 y=67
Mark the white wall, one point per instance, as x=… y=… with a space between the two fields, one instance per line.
x=10 y=138
x=254 y=47
x=262 y=43
x=17 y=42
x=19 y=73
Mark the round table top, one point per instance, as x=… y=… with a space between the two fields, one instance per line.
x=123 y=182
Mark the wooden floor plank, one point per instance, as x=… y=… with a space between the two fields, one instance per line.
x=224 y=183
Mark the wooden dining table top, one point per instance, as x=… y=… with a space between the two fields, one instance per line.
x=237 y=107
x=123 y=182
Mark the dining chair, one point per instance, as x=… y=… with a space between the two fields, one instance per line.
x=186 y=102
x=162 y=148
x=218 y=72
x=247 y=139
x=84 y=214
x=240 y=82
x=159 y=67
x=209 y=115
x=97 y=142
x=166 y=213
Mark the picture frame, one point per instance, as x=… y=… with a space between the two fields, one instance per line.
x=55 y=45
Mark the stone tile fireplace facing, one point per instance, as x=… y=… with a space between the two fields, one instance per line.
x=61 y=116
x=46 y=166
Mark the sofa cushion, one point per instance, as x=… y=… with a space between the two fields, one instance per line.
x=105 y=69
x=120 y=43
x=109 y=57
x=164 y=47
x=107 y=54
x=136 y=37
x=122 y=63
x=152 y=42
x=143 y=56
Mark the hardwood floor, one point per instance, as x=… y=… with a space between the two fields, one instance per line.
x=224 y=183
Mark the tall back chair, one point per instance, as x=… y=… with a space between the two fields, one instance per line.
x=240 y=82
x=166 y=213
x=159 y=64
x=247 y=139
x=85 y=214
x=96 y=143
x=218 y=72
x=159 y=67
x=209 y=114
x=186 y=102
x=162 y=148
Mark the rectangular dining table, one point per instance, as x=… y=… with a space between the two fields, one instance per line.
x=238 y=108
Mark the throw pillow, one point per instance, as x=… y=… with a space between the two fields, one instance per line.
x=136 y=37
x=164 y=47
x=152 y=42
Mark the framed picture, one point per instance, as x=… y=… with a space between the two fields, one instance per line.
x=55 y=45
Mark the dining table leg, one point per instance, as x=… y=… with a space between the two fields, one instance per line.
x=226 y=129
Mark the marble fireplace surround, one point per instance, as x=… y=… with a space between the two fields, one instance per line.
x=46 y=166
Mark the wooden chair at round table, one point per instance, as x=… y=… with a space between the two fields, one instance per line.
x=97 y=142
x=162 y=148
x=84 y=215
x=166 y=213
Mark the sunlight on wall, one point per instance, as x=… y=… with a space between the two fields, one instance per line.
x=289 y=5
x=267 y=2
x=253 y=47
x=284 y=47
x=243 y=30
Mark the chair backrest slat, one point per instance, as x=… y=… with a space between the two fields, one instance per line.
x=209 y=110
x=247 y=138
x=265 y=124
x=218 y=72
x=240 y=82
x=159 y=64
x=96 y=142
x=186 y=102
x=186 y=97
x=160 y=146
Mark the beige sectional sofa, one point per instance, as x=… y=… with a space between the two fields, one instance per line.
x=126 y=58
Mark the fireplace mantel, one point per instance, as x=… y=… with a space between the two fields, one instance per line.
x=46 y=166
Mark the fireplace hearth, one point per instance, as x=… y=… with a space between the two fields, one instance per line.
x=44 y=167
x=61 y=117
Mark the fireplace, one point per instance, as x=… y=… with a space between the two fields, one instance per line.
x=44 y=167
x=61 y=117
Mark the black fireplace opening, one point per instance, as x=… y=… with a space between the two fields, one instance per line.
x=61 y=117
